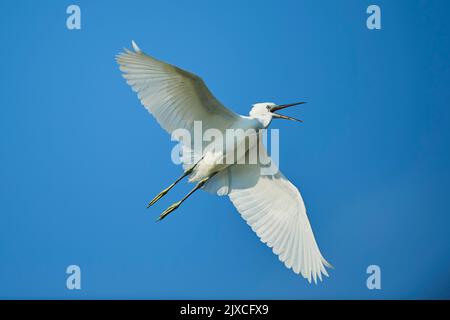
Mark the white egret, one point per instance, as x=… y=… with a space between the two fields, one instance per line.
x=270 y=204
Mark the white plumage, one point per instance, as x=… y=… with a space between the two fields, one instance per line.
x=175 y=97
x=270 y=204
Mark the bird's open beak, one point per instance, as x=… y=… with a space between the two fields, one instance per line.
x=283 y=106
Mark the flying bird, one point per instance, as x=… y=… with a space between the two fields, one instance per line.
x=269 y=203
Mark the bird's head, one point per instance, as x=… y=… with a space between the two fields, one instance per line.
x=265 y=111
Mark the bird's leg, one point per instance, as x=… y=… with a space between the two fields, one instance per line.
x=174 y=206
x=164 y=192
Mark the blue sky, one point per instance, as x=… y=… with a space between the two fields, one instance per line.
x=80 y=157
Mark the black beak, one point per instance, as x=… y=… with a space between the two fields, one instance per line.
x=283 y=106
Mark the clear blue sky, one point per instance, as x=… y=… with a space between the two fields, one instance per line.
x=80 y=157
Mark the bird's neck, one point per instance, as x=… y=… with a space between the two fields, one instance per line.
x=263 y=120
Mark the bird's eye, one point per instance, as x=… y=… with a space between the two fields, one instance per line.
x=268 y=107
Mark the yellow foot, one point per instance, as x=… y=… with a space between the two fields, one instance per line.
x=169 y=210
x=159 y=196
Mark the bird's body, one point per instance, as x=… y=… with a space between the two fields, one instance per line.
x=214 y=159
x=269 y=203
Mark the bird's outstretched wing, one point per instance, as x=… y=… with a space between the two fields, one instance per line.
x=274 y=209
x=175 y=97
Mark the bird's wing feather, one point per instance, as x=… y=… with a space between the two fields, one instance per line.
x=274 y=209
x=175 y=97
